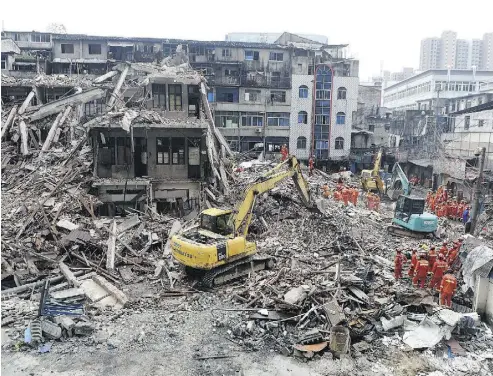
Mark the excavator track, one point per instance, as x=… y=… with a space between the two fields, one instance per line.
x=400 y=231
x=235 y=270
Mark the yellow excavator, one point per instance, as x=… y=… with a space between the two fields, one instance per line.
x=218 y=249
x=370 y=179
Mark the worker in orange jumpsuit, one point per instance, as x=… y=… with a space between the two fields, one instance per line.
x=345 y=195
x=377 y=202
x=447 y=288
x=325 y=190
x=421 y=272
x=414 y=261
x=432 y=257
x=284 y=152
x=444 y=250
x=428 y=197
x=399 y=260
x=340 y=184
x=311 y=166
x=453 y=253
x=354 y=196
x=438 y=271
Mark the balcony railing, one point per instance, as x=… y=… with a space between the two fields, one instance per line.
x=223 y=80
x=270 y=82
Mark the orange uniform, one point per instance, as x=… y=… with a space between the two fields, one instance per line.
x=452 y=255
x=444 y=250
x=447 y=289
x=354 y=196
x=414 y=261
x=311 y=166
x=399 y=260
x=345 y=195
x=421 y=273
x=439 y=269
x=284 y=153
x=432 y=257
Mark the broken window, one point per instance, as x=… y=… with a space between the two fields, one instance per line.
x=339 y=143
x=341 y=93
x=67 y=48
x=107 y=151
x=303 y=91
x=302 y=117
x=174 y=97
x=252 y=95
x=178 y=150
x=276 y=56
x=162 y=150
x=123 y=151
x=278 y=96
x=159 y=96
x=94 y=107
x=251 y=55
x=230 y=72
x=480 y=123
x=40 y=38
x=301 y=142
x=94 y=49
x=226 y=52
x=341 y=118
x=278 y=119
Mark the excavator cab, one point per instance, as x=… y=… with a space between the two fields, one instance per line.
x=217 y=221
x=410 y=215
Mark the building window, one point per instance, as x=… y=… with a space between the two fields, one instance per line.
x=302 y=117
x=227 y=119
x=148 y=49
x=253 y=119
x=174 y=97
x=252 y=95
x=123 y=151
x=341 y=118
x=322 y=91
x=303 y=91
x=339 y=143
x=40 y=38
x=278 y=96
x=371 y=127
x=278 y=119
x=226 y=52
x=159 y=96
x=467 y=122
x=178 y=150
x=67 y=48
x=224 y=94
x=94 y=107
x=480 y=123
x=251 y=55
x=94 y=49
x=301 y=143
x=4 y=64
x=276 y=56
x=341 y=93
x=162 y=150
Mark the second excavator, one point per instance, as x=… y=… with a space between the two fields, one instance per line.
x=218 y=249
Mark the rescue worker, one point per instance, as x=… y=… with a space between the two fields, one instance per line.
x=399 y=260
x=284 y=152
x=421 y=271
x=447 y=288
x=354 y=196
x=311 y=166
x=325 y=190
x=345 y=195
x=444 y=250
x=340 y=184
x=428 y=197
x=453 y=253
x=439 y=269
x=414 y=261
x=432 y=257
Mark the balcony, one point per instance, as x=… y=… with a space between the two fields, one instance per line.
x=268 y=82
x=218 y=80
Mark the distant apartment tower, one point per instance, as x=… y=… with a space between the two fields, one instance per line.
x=449 y=52
x=487 y=52
x=462 y=54
x=448 y=49
x=430 y=51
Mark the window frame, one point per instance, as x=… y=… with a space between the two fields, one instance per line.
x=276 y=56
x=275 y=117
x=276 y=93
x=304 y=119
x=301 y=140
x=305 y=90
x=226 y=52
x=63 y=46
x=161 y=149
x=93 y=45
x=341 y=93
x=180 y=158
x=341 y=115
x=467 y=122
x=253 y=55
x=175 y=95
x=339 y=143
x=158 y=94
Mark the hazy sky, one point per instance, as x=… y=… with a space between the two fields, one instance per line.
x=376 y=30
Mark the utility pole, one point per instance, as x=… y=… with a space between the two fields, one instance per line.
x=481 y=152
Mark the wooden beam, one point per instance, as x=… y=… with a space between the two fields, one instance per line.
x=110 y=253
x=24 y=143
x=69 y=276
x=105 y=77
x=24 y=105
x=118 y=86
x=10 y=120
x=60 y=119
x=72 y=100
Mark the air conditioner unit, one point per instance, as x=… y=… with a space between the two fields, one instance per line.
x=258 y=130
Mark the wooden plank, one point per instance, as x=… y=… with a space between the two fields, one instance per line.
x=9 y=121
x=54 y=127
x=105 y=77
x=24 y=139
x=118 y=86
x=69 y=276
x=110 y=253
x=24 y=105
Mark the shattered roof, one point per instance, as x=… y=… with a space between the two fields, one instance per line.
x=9 y=46
x=52 y=80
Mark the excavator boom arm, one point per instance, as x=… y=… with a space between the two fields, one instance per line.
x=376 y=166
x=268 y=181
x=398 y=173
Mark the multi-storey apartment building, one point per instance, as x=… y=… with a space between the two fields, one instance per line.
x=295 y=91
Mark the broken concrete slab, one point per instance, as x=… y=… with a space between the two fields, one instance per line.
x=334 y=312
x=83 y=328
x=50 y=329
x=296 y=295
x=111 y=289
x=66 y=323
x=67 y=225
x=68 y=293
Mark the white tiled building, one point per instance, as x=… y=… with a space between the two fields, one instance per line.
x=300 y=135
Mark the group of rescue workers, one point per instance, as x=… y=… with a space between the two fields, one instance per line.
x=350 y=194
x=444 y=206
x=440 y=266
